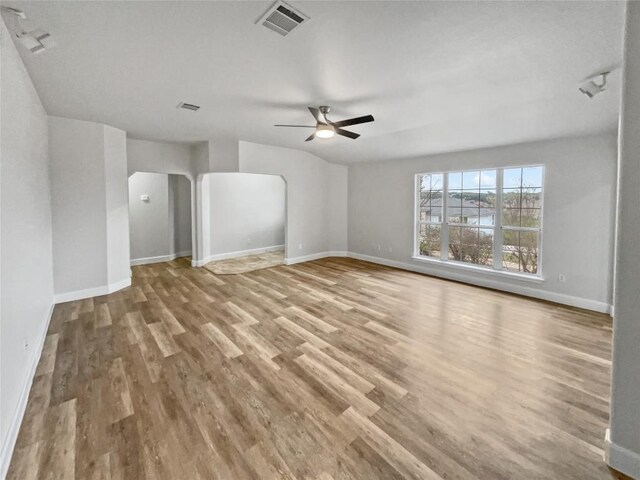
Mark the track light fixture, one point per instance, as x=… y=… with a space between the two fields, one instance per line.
x=591 y=88
x=37 y=41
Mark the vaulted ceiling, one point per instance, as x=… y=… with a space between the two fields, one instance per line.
x=437 y=76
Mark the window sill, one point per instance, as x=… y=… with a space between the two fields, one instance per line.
x=487 y=271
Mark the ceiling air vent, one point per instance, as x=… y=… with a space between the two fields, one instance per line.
x=188 y=106
x=282 y=18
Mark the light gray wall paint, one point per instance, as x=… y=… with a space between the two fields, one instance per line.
x=78 y=191
x=181 y=188
x=159 y=157
x=579 y=203
x=89 y=205
x=149 y=221
x=26 y=278
x=336 y=210
x=625 y=402
x=161 y=226
x=308 y=192
x=115 y=164
x=223 y=154
x=247 y=211
x=200 y=157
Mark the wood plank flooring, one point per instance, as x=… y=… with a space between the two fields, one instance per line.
x=246 y=264
x=327 y=370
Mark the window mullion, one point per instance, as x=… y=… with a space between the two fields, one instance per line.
x=444 y=228
x=497 y=232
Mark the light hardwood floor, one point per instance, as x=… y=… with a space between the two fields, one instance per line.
x=334 y=369
x=249 y=263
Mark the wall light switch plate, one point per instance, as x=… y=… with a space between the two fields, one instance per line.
x=144 y=198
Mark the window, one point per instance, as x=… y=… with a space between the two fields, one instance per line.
x=490 y=218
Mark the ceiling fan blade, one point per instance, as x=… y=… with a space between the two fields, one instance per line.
x=317 y=114
x=353 y=121
x=311 y=137
x=299 y=126
x=347 y=133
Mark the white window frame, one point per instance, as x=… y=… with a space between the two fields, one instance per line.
x=497 y=227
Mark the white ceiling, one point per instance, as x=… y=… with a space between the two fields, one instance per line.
x=437 y=76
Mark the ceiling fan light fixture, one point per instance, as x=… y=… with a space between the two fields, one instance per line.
x=325 y=128
x=325 y=131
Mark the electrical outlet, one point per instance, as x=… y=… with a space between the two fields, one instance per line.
x=390 y=249
x=299 y=246
x=562 y=278
x=26 y=346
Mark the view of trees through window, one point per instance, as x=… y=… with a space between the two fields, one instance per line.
x=489 y=218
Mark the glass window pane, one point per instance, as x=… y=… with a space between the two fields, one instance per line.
x=471 y=214
x=487 y=203
x=520 y=251
x=476 y=246
x=471 y=198
x=511 y=197
x=530 y=217
x=470 y=207
x=512 y=178
x=532 y=177
x=487 y=198
x=454 y=234
x=436 y=208
x=436 y=182
x=455 y=181
x=430 y=208
x=485 y=246
x=469 y=253
x=425 y=182
x=471 y=180
x=454 y=206
x=511 y=217
x=531 y=197
x=529 y=252
x=455 y=249
x=488 y=179
x=511 y=250
x=429 y=240
x=469 y=236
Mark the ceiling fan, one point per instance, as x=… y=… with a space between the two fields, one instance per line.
x=327 y=129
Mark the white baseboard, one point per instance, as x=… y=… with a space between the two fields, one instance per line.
x=91 y=292
x=620 y=458
x=12 y=434
x=236 y=254
x=465 y=277
x=159 y=259
x=314 y=256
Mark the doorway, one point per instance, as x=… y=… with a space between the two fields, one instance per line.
x=160 y=228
